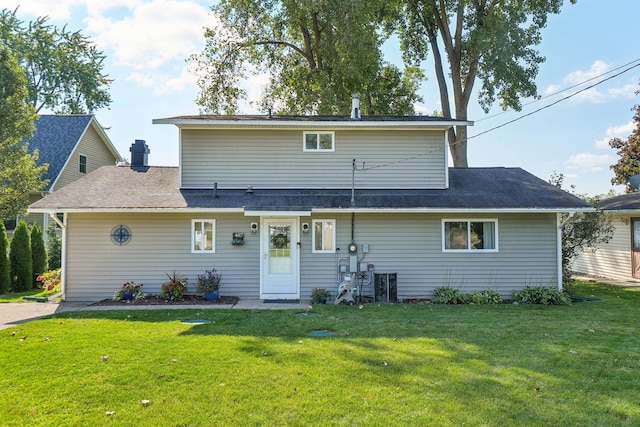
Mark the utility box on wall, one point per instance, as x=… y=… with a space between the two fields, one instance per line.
x=385 y=287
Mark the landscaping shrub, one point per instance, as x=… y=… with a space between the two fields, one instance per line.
x=38 y=253
x=5 y=275
x=20 y=259
x=546 y=295
x=486 y=297
x=54 y=247
x=449 y=295
x=174 y=288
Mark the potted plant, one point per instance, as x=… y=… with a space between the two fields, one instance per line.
x=174 y=288
x=209 y=284
x=320 y=296
x=128 y=292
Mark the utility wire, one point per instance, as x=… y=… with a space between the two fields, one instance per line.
x=417 y=156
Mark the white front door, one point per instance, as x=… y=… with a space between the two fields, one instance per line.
x=280 y=278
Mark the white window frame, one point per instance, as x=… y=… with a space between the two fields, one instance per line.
x=318 y=150
x=313 y=236
x=469 y=248
x=193 y=236
x=86 y=163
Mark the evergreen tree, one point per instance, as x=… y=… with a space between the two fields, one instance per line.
x=5 y=276
x=54 y=247
x=38 y=253
x=20 y=258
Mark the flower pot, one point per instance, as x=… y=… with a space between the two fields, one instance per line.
x=127 y=296
x=212 y=296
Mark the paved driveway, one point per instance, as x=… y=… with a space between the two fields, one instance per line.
x=12 y=314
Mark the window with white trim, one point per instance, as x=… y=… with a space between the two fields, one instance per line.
x=203 y=235
x=318 y=141
x=469 y=235
x=324 y=236
x=82 y=164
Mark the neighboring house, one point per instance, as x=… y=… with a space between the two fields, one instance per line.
x=72 y=146
x=276 y=206
x=620 y=257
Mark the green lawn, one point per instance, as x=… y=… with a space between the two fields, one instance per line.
x=506 y=365
x=19 y=296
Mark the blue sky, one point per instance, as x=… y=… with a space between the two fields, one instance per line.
x=147 y=41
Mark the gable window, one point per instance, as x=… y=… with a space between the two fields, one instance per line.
x=82 y=164
x=469 y=235
x=203 y=235
x=324 y=236
x=319 y=141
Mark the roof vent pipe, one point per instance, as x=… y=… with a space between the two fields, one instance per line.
x=355 y=106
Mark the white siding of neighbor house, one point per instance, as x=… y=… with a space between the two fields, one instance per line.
x=275 y=159
x=612 y=260
x=407 y=244
x=92 y=146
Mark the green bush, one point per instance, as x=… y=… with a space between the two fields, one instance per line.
x=38 y=253
x=546 y=295
x=174 y=288
x=5 y=275
x=486 y=297
x=20 y=259
x=54 y=247
x=448 y=295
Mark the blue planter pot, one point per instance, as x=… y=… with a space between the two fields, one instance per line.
x=127 y=296
x=212 y=296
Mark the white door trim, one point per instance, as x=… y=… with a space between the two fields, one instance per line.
x=266 y=293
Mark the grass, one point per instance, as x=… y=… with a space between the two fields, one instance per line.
x=18 y=296
x=438 y=365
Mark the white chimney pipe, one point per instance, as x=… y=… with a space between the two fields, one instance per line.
x=355 y=106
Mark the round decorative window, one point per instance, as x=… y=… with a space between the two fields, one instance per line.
x=120 y=235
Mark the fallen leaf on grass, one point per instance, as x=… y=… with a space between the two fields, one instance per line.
x=145 y=402
x=22 y=339
x=104 y=358
x=573 y=352
x=109 y=413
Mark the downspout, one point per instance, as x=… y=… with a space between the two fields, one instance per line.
x=63 y=260
x=561 y=224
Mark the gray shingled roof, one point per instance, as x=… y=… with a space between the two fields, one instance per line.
x=55 y=138
x=113 y=187
x=344 y=118
x=624 y=202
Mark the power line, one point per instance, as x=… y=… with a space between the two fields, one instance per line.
x=417 y=156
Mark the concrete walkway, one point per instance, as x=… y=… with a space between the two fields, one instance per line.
x=631 y=284
x=12 y=314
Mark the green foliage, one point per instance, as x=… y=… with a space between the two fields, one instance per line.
x=174 y=288
x=50 y=280
x=54 y=247
x=629 y=152
x=316 y=53
x=38 y=253
x=582 y=232
x=19 y=174
x=541 y=295
x=208 y=282
x=449 y=295
x=5 y=269
x=320 y=295
x=20 y=259
x=64 y=68
x=489 y=41
x=486 y=297
x=132 y=288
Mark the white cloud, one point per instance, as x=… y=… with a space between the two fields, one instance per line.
x=588 y=162
x=153 y=34
x=622 y=131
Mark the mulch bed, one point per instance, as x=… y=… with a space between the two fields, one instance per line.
x=156 y=300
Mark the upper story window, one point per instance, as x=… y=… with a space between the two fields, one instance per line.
x=82 y=164
x=469 y=235
x=319 y=141
x=203 y=235
x=324 y=236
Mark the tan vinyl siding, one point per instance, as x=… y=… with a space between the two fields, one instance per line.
x=160 y=244
x=408 y=244
x=411 y=246
x=612 y=260
x=97 y=153
x=275 y=159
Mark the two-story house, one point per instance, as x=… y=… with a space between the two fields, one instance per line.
x=72 y=145
x=281 y=205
